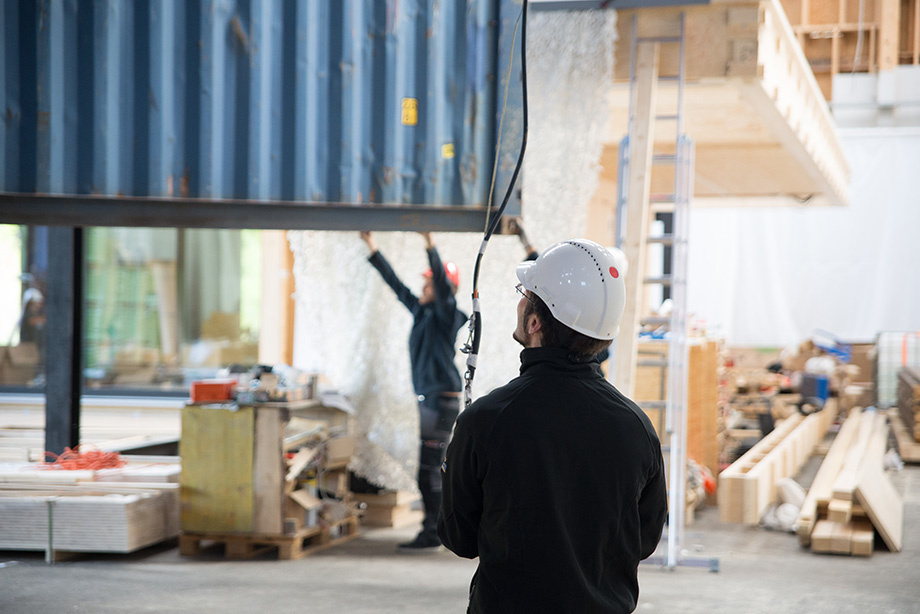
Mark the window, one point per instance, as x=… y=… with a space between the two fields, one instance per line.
x=22 y=319
x=162 y=307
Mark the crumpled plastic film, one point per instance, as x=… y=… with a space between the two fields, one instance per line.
x=351 y=328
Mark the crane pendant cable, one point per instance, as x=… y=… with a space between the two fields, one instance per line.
x=475 y=325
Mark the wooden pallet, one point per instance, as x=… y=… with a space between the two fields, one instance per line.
x=303 y=543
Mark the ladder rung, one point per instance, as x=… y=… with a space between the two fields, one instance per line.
x=658 y=39
x=664 y=280
x=652 y=404
x=669 y=78
x=654 y=320
x=652 y=363
x=667 y=117
x=662 y=240
x=661 y=198
x=664 y=158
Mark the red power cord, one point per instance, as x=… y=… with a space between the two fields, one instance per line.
x=74 y=459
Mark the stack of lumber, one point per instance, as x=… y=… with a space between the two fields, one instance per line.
x=851 y=497
x=748 y=486
x=905 y=418
x=112 y=510
x=389 y=508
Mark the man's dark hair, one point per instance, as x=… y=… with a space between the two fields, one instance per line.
x=558 y=335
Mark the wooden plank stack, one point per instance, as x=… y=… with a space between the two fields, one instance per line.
x=75 y=521
x=851 y=497
x=905 y=418
x=112 y=510
x=747 y=487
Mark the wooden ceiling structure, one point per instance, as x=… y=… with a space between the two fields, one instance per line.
x=863 y=36
x=762 y=129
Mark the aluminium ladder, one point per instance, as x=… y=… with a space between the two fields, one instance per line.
x=637 y=163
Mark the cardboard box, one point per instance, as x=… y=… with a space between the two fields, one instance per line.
x=862 y=355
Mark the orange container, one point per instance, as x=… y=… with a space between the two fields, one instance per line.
x=205 y=391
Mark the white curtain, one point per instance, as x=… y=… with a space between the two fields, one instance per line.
x=772 y=277
x=210 y=277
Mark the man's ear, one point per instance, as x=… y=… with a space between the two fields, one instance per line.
x=534 y=325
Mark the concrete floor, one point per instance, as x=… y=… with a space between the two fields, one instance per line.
x=759 y=572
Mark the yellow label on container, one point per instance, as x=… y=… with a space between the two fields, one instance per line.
x=410 y=111
x=447 y=151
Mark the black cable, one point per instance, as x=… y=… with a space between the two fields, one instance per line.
x=472 y=347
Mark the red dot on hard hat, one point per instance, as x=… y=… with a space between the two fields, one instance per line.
x=614 y=272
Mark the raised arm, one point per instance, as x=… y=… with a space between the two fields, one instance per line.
x=444 y=292
x=403 y=293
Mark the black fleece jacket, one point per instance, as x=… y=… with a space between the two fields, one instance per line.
x=433 y=338
x=556 y=482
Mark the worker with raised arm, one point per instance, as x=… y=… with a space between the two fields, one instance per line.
x=436 y=321
x=555 y=481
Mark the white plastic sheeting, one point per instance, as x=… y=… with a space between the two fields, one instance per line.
x=771 y=277
x=349 y=325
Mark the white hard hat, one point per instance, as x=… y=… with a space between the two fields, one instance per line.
x=582 y=284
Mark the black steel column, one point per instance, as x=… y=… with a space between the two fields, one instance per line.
x=63 y=338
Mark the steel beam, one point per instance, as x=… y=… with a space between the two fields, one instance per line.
x=91 y=210
x=63 y=338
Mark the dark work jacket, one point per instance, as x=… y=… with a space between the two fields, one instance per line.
x=433 y=337
x=556 y=482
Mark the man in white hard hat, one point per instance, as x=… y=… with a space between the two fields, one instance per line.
x=556 y=480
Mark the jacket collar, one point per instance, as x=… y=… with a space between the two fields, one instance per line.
x=536 y=359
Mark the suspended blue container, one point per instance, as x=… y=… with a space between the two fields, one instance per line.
x=315 y=101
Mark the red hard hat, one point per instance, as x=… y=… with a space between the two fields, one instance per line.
x=452 y=272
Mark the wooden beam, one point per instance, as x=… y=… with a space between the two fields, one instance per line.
x=874 y=491
x=267 y=470
x=845 y=484
x=276 y=331
x=835 y=27
x=889 y=32
x=641 y=139
x=876 y=494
